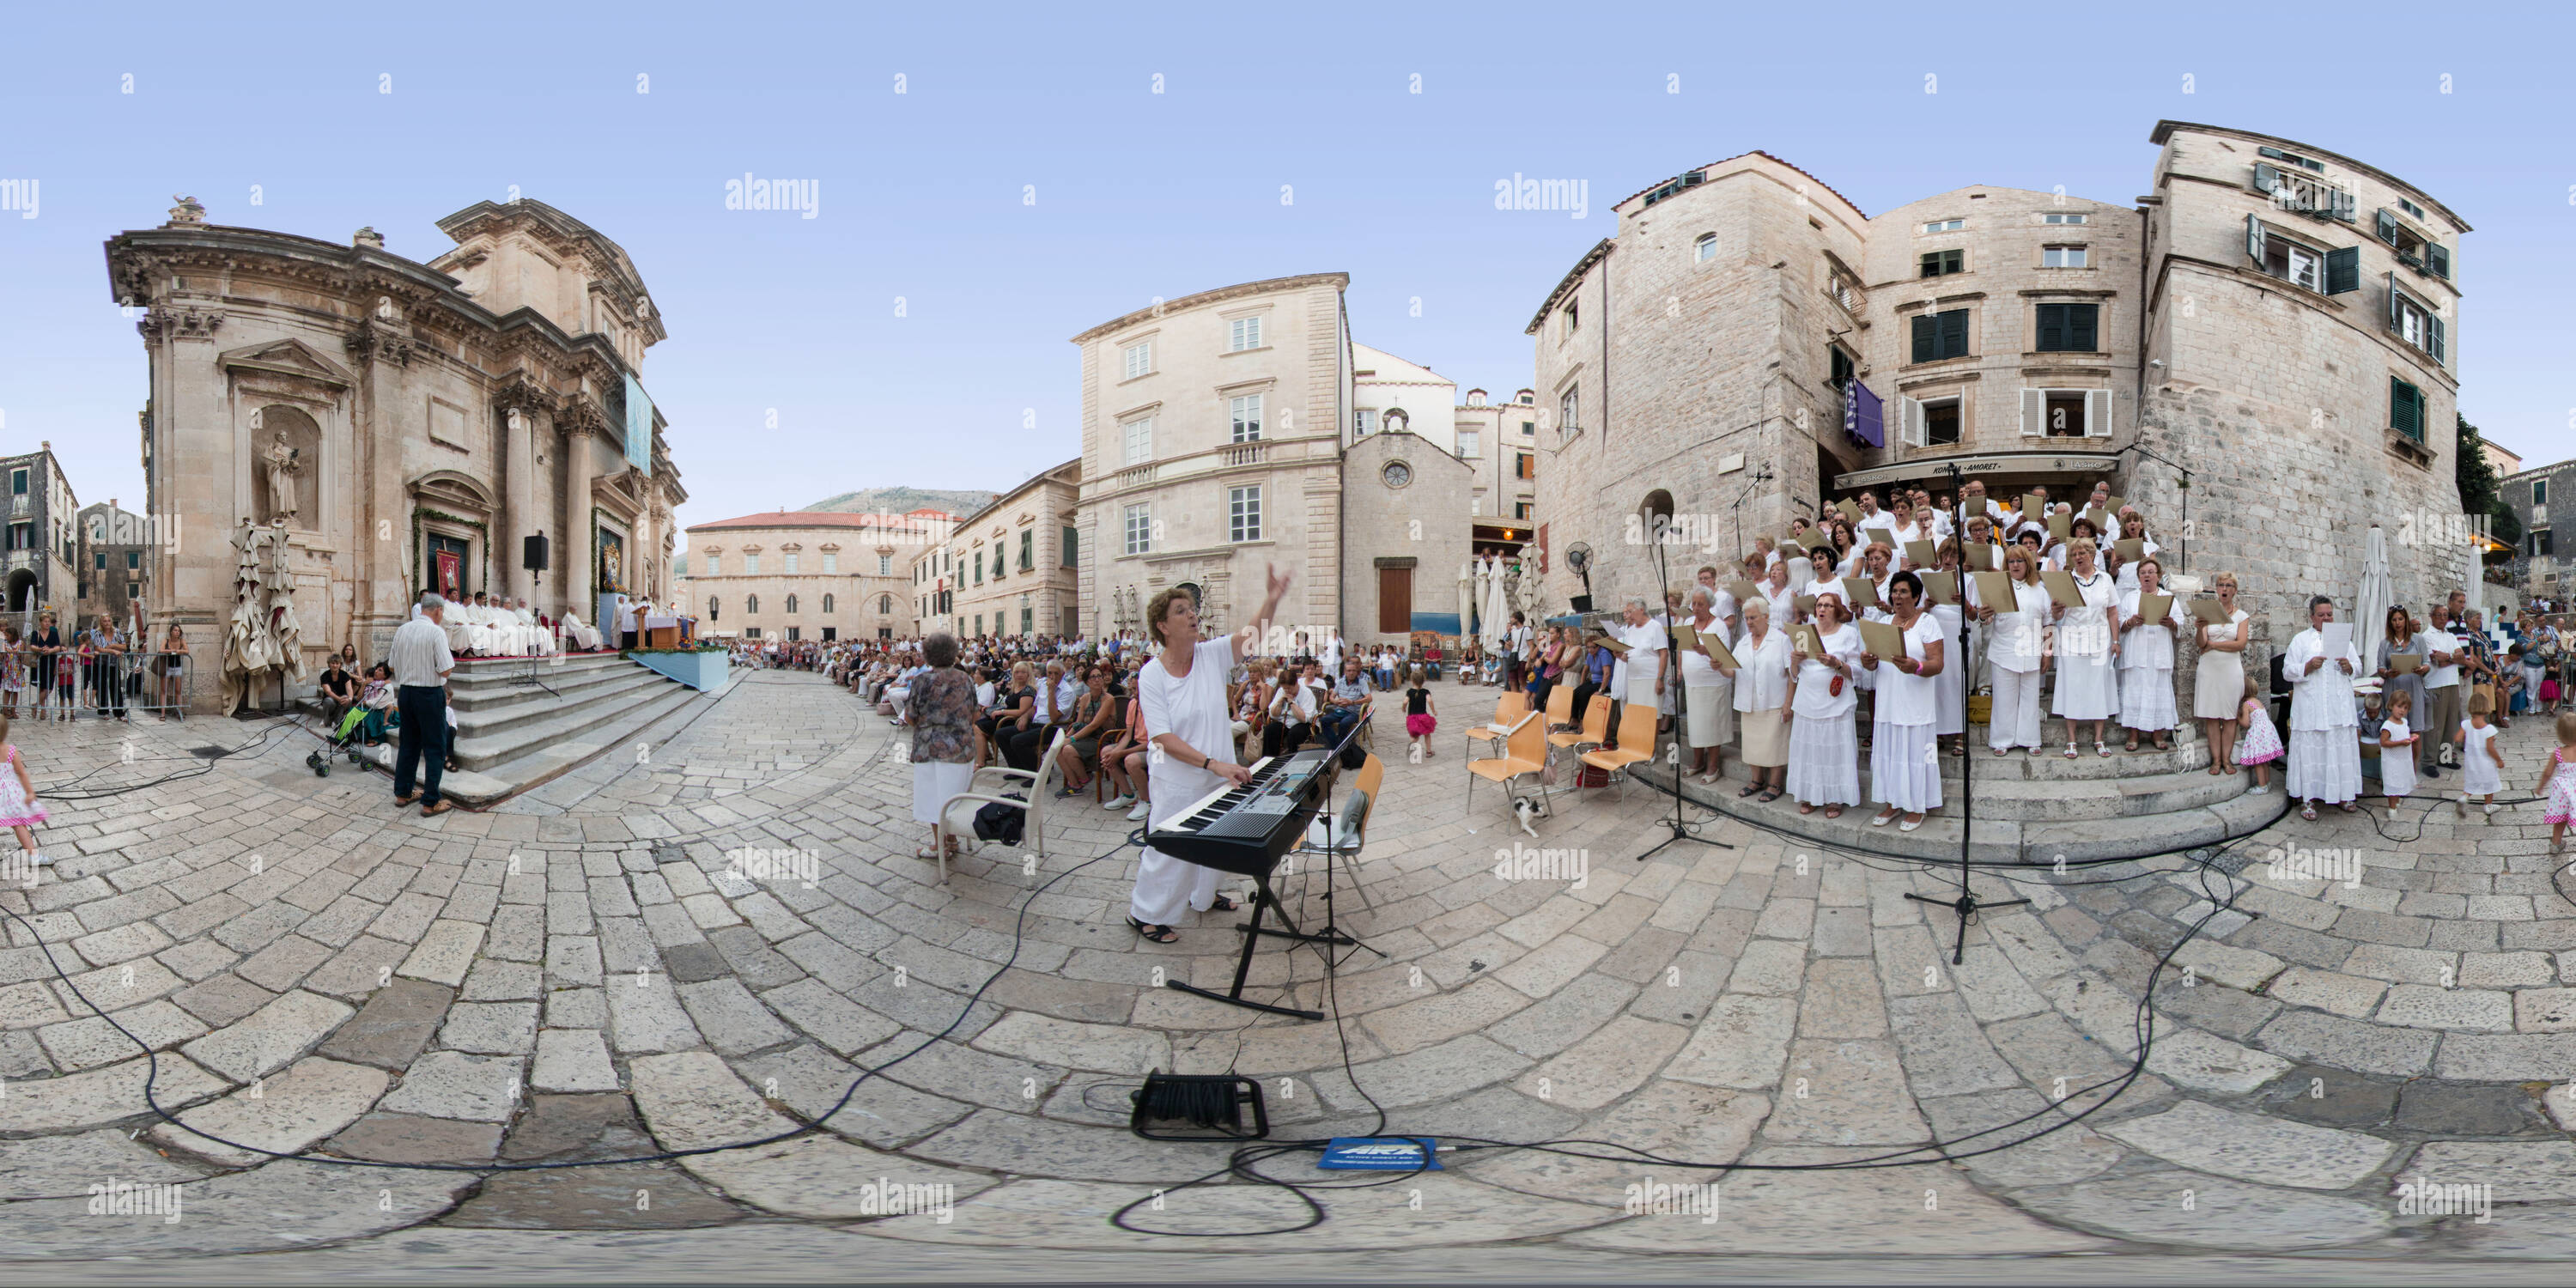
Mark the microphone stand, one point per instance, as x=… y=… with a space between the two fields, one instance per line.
x=1672 y=651
x=2185 y=488
x=1756 y=481
x=1967 y=905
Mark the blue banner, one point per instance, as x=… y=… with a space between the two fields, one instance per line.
x=1864 y=416
x=639 y=427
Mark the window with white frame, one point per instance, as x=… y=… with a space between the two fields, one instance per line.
x=2063 y=219
x=1471 y=444
x=1140 y=529
x=791 y=563
x=1705 y=249
x=1139 y=434
x=1243 y=513
x=1140 y=358
x=714 y=565
x=2063 y=256
x=1568 y=411
x=1945 y=225
x=1245 y=413
x=832 y=562
x=1242 y=334
x=751 y=565
x=1363 y=422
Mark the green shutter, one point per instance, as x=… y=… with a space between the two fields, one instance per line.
x=2436 y=324
x=1926 y=337
x=2405 y=409
x=1954 y=334
x=2052 y=327
x=2254 y=237
x=2266 y=178
x=2081 y=320
x=2437 y=257
x=2343 y=270
x=2345 y=206
x=2396 y=319
x=2386 y=224
x=1932 y=264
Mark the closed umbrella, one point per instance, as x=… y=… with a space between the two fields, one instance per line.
x=1466 y=595
x=1496 y=615
x=2370 y=606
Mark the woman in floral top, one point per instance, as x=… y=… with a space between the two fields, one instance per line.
x=942 y=705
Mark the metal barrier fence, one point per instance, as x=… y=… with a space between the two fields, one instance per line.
x=70 y=685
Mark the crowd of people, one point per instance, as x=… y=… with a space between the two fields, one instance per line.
x=102 y=668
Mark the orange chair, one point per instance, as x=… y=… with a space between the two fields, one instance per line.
x=1508 y=709
x=1636 y=743
x=1524 y=753
x=1596 y=723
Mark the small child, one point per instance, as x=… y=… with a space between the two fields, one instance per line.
x=2481 y=760
x=2558 y=782
x=67 y=665
x=18 y=807
x=13 y=674
x=1421 y=715
x=2397 y=749
x=2260 y=744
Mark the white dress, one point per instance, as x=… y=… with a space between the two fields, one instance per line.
x=1824 y=748
x=1950 y=689
x=2146 y=671
x=2479 y=775
x=1711 y=719
x=1904 y=767
x=2325 y=745
x=2397 y=764
x=2087 y=686
x=1193 y=707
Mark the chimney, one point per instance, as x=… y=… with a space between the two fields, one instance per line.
x=367 y=239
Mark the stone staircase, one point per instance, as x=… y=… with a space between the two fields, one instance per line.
x=2033 y=808
x=512 y=735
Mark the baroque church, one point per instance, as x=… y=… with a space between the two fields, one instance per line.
x=332 y=429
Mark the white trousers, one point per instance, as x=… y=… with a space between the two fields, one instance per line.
x=1165 y=886
x=2014 y=721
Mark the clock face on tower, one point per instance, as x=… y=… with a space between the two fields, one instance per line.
x=1398 y=474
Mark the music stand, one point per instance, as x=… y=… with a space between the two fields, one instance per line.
x=1330 y=932
x=1672 y=650
x=1967 y=904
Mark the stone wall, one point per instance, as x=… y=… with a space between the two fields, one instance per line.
x=1422 y=525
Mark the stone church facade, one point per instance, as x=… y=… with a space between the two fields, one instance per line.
x=2274 y=319
x=405 y=424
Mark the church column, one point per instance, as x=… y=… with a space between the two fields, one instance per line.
x=576 y=559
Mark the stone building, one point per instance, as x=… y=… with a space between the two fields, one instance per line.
x=1499 y=441
x=1408 y=502
x=112 y=542
x=2537 y=574
x=1014 y=567
x=2273 y=318
x=1211 y=436
x=44 y=540
x=805 y=574
x=405 y=424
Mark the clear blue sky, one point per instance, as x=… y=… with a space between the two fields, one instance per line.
x=1141 y=194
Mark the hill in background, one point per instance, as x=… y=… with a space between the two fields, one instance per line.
x=904 y=500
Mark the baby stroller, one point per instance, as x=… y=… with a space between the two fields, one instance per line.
x=343 y=739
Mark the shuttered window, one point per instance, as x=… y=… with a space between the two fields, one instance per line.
x=2406 y=409
x=1941 y=335
x=2068 y=328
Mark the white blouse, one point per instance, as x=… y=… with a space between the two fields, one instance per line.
x=1815 y=679
x=1762 y=671
x=1909 y=699
x=2148 y=644
x=2019 y=634
x=2086 y=631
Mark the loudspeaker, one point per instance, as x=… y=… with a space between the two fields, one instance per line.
x=1581 y=604
x=532 y=553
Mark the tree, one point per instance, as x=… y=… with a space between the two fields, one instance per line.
x=2479 y=491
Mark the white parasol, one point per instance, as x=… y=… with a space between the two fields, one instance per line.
x=1496 y=615
x=1466 y=594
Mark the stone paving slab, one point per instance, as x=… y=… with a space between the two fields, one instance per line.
x=2255 y=1148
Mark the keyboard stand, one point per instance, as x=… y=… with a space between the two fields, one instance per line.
x=1252 y=933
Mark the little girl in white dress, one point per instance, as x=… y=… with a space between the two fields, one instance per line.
x=2260 y=744
x=19 y=811
x=2397 y=750
x=2481 y=761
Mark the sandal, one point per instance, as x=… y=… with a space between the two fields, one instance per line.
x=2163 y=743
x=1766 y=798
x=2070 y=751
x=1833 y=811
x=2309 y=811
x=2132 y=747
x=2103 y=748
x=1805 y=808
x=1155 y=934
x=2347 y=807
x=1749 y=789
x=1225 y=903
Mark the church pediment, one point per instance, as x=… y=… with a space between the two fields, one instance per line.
x=291 y=358
x=618 y=494
x=447 y=489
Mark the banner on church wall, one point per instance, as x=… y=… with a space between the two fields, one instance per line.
x=639 y=427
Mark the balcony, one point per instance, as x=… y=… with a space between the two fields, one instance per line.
x=19 y=507
x=1243 y=454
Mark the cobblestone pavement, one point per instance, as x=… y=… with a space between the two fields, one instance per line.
x=594 y=972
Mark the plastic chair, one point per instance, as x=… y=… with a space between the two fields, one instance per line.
x=1524 y=753
x=1636 y=743
x=1508 y=709
x=1033 y=826
x=1349 y=833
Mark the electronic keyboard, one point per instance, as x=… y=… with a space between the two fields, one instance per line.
x=1244 y=829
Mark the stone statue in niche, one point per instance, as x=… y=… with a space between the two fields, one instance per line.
x=282 y=463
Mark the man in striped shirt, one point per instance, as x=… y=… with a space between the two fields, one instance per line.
x=421 y=663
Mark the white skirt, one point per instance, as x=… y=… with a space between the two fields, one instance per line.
x=933 y=782
x=1903 y=769
x=2147 y=698
x=1712 y=714
x=2325 y=764
x=2085 y=690
x=1824 y=760
x=1949 y=697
